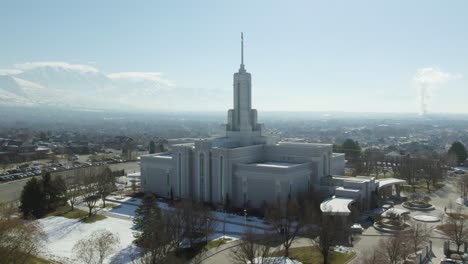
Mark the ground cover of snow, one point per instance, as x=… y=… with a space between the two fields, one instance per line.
x=62 y=234
x=426 y=218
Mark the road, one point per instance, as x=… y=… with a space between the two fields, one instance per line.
x=11 y=191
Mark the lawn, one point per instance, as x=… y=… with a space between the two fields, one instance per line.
x=312 y=255
x=217 y=243
x=65 y=211
x=421 y=187
x=37 y=260
x=111 y=205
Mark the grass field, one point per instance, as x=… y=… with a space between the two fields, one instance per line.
x=312 y=255
x=217 y=243
x=421 y=187
x=65 y=211
x=37 y=260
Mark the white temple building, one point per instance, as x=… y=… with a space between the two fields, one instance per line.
x=244 y=165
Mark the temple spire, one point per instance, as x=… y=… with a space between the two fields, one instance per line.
x=242 y=51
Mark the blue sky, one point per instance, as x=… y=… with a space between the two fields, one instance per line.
x=303 y=55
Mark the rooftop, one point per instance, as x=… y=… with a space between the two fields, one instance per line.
x=354 y=179
x=336 y=206
x=274 y=164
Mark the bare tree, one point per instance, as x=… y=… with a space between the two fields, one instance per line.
x=253 y=248
x=89 y=192
x=417 y=235
x=394 y=249
x=463 y=181
x=326 y=236
x=105 y=184
x=457 y=229
x=372 y=256
x=94 y=249
x=197 y=220
x=19 y=240
x=286 y=221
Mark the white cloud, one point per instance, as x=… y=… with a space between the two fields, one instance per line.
x=56 y=64
x=155 y=77
x=10 y=71
x=434 y=76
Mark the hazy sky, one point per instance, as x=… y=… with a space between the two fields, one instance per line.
x=303 y=55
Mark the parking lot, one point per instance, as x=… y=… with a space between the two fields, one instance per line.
x=15 y=179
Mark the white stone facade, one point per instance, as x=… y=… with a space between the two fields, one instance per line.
x=245 y=165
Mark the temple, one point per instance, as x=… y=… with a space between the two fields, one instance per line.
x=244 y=166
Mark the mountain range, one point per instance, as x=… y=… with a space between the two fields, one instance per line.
x=84 y=87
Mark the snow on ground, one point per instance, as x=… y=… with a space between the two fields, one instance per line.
x=63 y=233
x=426 y=218
x=128 y=210
x=128 y=205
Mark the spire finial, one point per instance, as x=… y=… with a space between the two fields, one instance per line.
x=242 y=49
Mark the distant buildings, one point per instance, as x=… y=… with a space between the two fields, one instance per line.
x=12 y=151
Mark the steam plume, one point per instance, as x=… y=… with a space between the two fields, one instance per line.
x=426 y=80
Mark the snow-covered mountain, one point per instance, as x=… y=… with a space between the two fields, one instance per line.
x=82 y=86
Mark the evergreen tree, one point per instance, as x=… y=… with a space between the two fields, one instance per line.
x=33 y=200
x=459 y=150
x=351 y=149
x=148 y=221
x=58 y=192
x=53 y=191
x=152 y=147
x=46 y=188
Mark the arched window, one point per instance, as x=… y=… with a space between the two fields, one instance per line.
x=202 y=176
x=221 y=178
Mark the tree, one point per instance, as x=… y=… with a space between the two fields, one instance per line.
x=286 y=222
x=326 y=236
x=198 y=221
x=457 y=227
x=105 y=184
x=253 y=248
x=372 y=256
x=33 y=200
x=43 y=136
x=89 y=192
x=351 y=149
x=147 y=219
x=394 y=249
x=72 y=189
x=97 y=247
x=157 y=235
x=19 y=240
x=46 y=188
x=463 y=181
x=152 y=147
x=460 y=151
x=450 y=159
x=417 y=235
